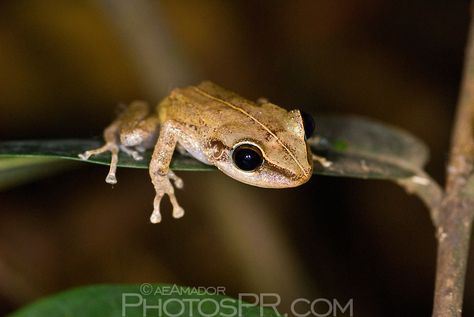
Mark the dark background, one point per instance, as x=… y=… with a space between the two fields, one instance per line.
x=64 y=66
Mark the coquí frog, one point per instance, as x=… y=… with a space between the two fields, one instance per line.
x=257 y=143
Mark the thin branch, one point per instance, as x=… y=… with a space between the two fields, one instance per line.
x=427 y=189
x=457 y=208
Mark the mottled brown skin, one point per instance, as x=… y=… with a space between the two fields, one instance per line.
x=209 y=122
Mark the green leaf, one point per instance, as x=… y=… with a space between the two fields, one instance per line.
x=363 y=148
x=357 y=147
x=70 y=149
x=138 y=301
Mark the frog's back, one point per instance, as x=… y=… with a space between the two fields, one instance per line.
x=209 y=105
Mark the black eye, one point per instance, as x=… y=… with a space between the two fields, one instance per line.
x=308 y=124
x=247 y=157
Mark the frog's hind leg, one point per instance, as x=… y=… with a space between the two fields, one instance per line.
x=131 y=129
x=111 y=144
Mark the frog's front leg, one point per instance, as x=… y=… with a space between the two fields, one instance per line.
x=170 y=135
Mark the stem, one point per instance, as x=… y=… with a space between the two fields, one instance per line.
x=457 y=208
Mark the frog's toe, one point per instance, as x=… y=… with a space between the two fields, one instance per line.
x=155 y=217
x=140 y=148
x=178 y=212
x=111 y=179
x=85 y=156
x=178 y=182
x=163 y=187
x=321 y=160
x=134 y=154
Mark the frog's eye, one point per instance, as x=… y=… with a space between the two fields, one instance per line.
x=247 y=157
x=308 y=124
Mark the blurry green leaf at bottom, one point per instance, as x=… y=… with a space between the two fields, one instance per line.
x=138 y=301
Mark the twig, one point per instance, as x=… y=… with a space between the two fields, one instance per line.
x=457 y=208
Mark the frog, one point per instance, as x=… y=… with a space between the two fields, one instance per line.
x=257 y=143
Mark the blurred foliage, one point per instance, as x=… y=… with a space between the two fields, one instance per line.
x=108 y=300
x=18 y=170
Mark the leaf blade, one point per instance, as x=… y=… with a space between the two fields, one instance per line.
x=364 y=148
x=70 y=149
x=357 y=147
x=376 y=150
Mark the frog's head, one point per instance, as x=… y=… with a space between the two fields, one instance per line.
x=273 y=155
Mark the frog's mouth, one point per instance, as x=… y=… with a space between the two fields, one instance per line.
x=267 y=176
